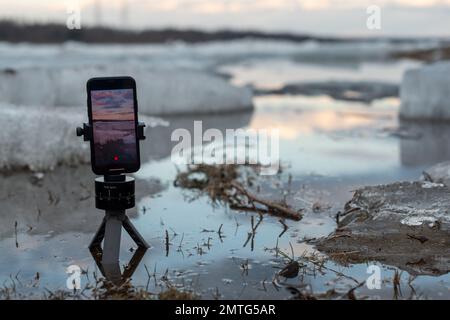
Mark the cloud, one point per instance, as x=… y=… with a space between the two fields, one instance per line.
x=112 y=104
x=226 y=6
x=214 y=6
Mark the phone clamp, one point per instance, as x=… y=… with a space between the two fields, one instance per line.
x=86 y=131
x=114 y=194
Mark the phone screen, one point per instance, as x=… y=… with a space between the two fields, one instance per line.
x=114 y=130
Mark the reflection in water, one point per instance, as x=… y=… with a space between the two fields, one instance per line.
x=275 y=73
x=297 y=116
x=158 y=144
x=55 y=202
x=112 y=272
x=428 y=145
x=324 y=137
x=305 y=123
x=341 y=142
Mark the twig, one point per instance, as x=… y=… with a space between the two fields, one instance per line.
x=285 y=227
x=15 y=233
x=181 y=242
x=219 y=232
x=167 y=243
x=278 y=210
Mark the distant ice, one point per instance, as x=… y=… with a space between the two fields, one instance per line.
x=340 y=90
x=172 y=78
x=199 y=56
x=425 y=92
x=160 y=92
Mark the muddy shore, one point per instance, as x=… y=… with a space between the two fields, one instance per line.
x=402 y=224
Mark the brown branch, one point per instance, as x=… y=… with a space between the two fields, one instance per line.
x=220 y=184
x=278 y=209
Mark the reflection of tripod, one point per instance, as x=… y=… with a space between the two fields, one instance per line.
x=114 y=194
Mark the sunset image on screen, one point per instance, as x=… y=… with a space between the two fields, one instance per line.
x=113 y=105
x=114 y=127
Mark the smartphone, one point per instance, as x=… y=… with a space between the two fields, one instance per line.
x=113 y=116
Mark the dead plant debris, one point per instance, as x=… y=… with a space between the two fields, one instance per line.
x=221 y=184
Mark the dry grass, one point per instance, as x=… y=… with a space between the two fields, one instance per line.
x=106 y=290
x=175 y=294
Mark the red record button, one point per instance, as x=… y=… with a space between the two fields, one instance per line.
x=116 y=158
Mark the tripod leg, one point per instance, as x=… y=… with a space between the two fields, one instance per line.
x=113 y=273
x=134 y=262
x=113 y=231
x=98 y=237
x=134 y=234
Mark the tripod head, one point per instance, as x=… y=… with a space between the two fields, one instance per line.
x=112 y=192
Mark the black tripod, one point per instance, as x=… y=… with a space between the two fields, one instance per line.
x=114 y=194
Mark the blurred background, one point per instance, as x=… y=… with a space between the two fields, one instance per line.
x=326 y=17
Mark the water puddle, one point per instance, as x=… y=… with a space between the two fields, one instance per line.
x=327 y=149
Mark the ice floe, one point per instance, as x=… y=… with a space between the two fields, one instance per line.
x=39 y=138
x=160 y=92
x=425 y=92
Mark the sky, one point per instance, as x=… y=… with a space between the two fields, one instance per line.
x=112 y=104
x=321 y=17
